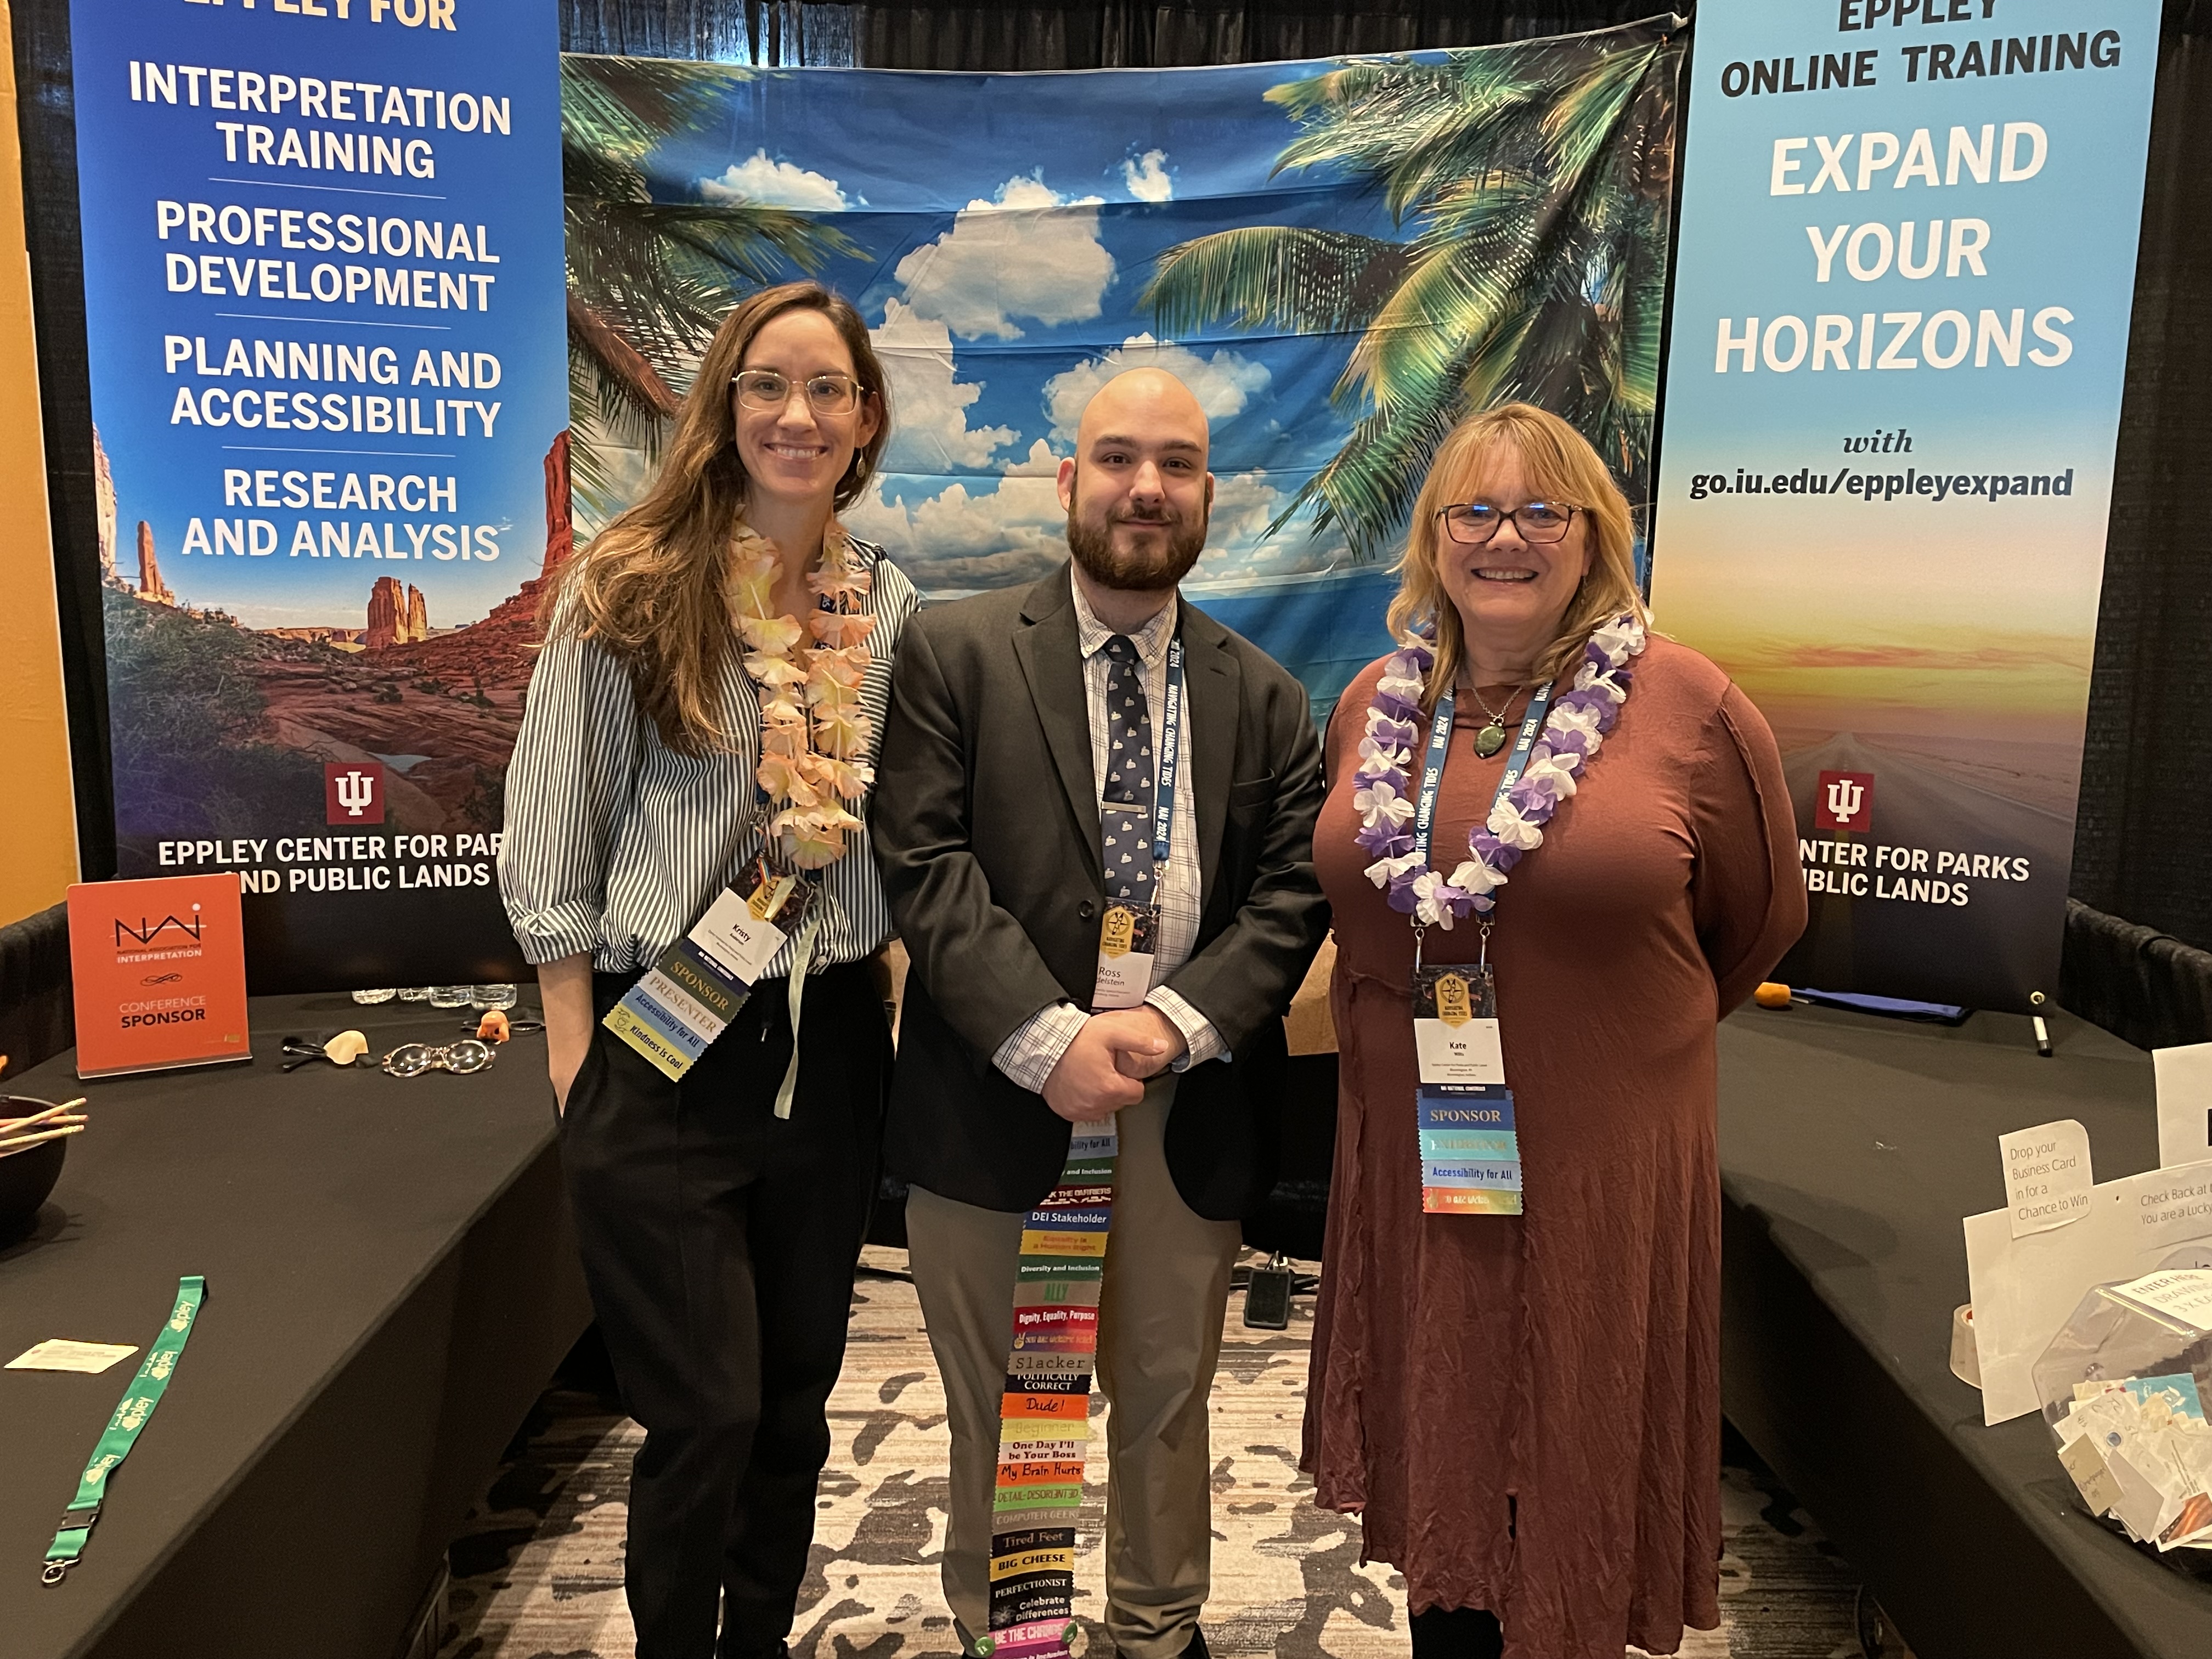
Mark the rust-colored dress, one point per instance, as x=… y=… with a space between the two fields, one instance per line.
x=1529 y=1408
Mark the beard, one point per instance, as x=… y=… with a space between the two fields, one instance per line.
x=1092 y=547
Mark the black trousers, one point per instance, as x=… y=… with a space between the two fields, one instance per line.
x=718 y=1243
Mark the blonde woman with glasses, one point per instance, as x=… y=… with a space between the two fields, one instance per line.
x=704 y=722
x=1558 y=848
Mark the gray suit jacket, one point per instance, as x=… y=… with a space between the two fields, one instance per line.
x=985 y=825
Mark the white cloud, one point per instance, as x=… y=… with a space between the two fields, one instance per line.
x=1029 y=253
x=1223 y=384
x=1147 y=177
x=960 y=540
x=930 y=432
x=762 y=183
x=1028 y=193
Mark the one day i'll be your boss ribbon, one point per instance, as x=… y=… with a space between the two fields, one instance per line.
x=1044 y=1427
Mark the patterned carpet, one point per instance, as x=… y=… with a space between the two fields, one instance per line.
x=538 y=1574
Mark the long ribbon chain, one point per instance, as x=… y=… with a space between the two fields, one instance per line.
x=132 y=1413
x=1044 y=1417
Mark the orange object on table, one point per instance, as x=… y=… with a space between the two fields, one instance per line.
x=493 y=1027
x=1772 y=996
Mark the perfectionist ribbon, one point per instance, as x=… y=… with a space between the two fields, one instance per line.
x=1044 y=1419
x=132 y=1413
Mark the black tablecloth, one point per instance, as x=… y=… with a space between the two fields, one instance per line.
x=392 y=1280
x=1852 y=1147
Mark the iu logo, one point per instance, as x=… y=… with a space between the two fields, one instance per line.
x=1845 y=801
x=353 y=794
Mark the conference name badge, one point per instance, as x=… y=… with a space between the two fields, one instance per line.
x=1455 y=1025
x=1470 y=1149
x=689 y=996
x=1126 y=936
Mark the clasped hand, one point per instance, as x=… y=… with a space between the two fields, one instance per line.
x=1105 y=1067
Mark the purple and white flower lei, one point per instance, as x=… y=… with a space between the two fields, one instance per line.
x=1574 y=729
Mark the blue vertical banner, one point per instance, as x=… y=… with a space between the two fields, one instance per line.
x=1901 y=309
x=325 y=309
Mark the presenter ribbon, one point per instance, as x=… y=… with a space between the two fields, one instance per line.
x=133 y=1414
x=1044 y=1415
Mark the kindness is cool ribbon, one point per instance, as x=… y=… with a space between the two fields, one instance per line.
x=1044 y=1419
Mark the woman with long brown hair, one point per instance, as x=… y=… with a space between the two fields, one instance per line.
x=1558 y=848
x=703 y=720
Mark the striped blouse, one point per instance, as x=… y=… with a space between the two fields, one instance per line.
x=617 y=844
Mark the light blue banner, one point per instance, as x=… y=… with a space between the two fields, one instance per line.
x=1901 y=323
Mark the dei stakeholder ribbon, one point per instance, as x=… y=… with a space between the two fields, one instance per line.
x=1044 y=1427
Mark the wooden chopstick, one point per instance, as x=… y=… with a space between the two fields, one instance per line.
x=12 y=1125
x=9 y=1128
x=19 y=1142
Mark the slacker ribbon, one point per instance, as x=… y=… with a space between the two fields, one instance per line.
x=132 y=1413
x=1044 y=1419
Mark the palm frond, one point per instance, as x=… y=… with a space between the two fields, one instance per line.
x=1281 y=277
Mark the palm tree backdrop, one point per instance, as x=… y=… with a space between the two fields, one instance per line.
x=1538 y=178
x=649 y=280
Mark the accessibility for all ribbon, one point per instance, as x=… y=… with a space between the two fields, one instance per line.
x=1044 y=1419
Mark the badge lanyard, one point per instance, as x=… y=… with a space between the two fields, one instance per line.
x=1432 y=777
x=1470 y=1151
x=133 y=1414
x=1128 y=932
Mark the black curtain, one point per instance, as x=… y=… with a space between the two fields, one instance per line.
x=970 y=36
x=2142 y=844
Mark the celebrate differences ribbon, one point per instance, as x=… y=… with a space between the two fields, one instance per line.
x=1044 y=1419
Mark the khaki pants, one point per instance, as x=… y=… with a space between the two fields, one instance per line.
x=1159 y=1335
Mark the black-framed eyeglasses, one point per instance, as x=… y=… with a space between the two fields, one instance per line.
x=1474 y=523
x=826 y=394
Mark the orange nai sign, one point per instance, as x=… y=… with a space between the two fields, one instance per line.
x=159 y=973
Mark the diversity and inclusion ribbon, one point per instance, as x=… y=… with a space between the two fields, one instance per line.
x=1044 y=1423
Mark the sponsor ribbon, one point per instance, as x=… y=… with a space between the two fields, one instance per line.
x=1044 y=1415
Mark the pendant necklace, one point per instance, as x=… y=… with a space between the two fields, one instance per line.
x=1491 y=739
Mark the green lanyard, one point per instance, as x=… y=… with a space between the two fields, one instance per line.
x=131 y=1414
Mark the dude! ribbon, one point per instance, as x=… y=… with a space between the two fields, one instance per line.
x=1044 y=1420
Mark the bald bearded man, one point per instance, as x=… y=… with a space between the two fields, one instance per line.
x=1023 y=797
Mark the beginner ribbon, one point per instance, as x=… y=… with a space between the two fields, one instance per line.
x=1044 y=1419
x=131 y=1415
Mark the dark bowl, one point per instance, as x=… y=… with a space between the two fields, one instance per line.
x=26 y=1178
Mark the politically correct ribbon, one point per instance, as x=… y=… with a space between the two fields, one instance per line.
x=1044 y=1423
x=132 y=1413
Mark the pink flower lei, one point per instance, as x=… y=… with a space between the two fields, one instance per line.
x=814 y=738
x=1574 y=730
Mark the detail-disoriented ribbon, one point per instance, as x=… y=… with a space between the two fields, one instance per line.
x=1044 y=1425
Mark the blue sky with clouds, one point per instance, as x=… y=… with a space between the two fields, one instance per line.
x=1009 y=226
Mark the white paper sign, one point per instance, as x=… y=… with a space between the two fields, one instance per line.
x=58 y=1354
x=2185 y=1102
x=2047 y=1177
x=2184 y=1293
x=2024 y=1289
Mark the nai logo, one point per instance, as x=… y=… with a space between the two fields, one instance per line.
x=353 y=794
x=1845 y=801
